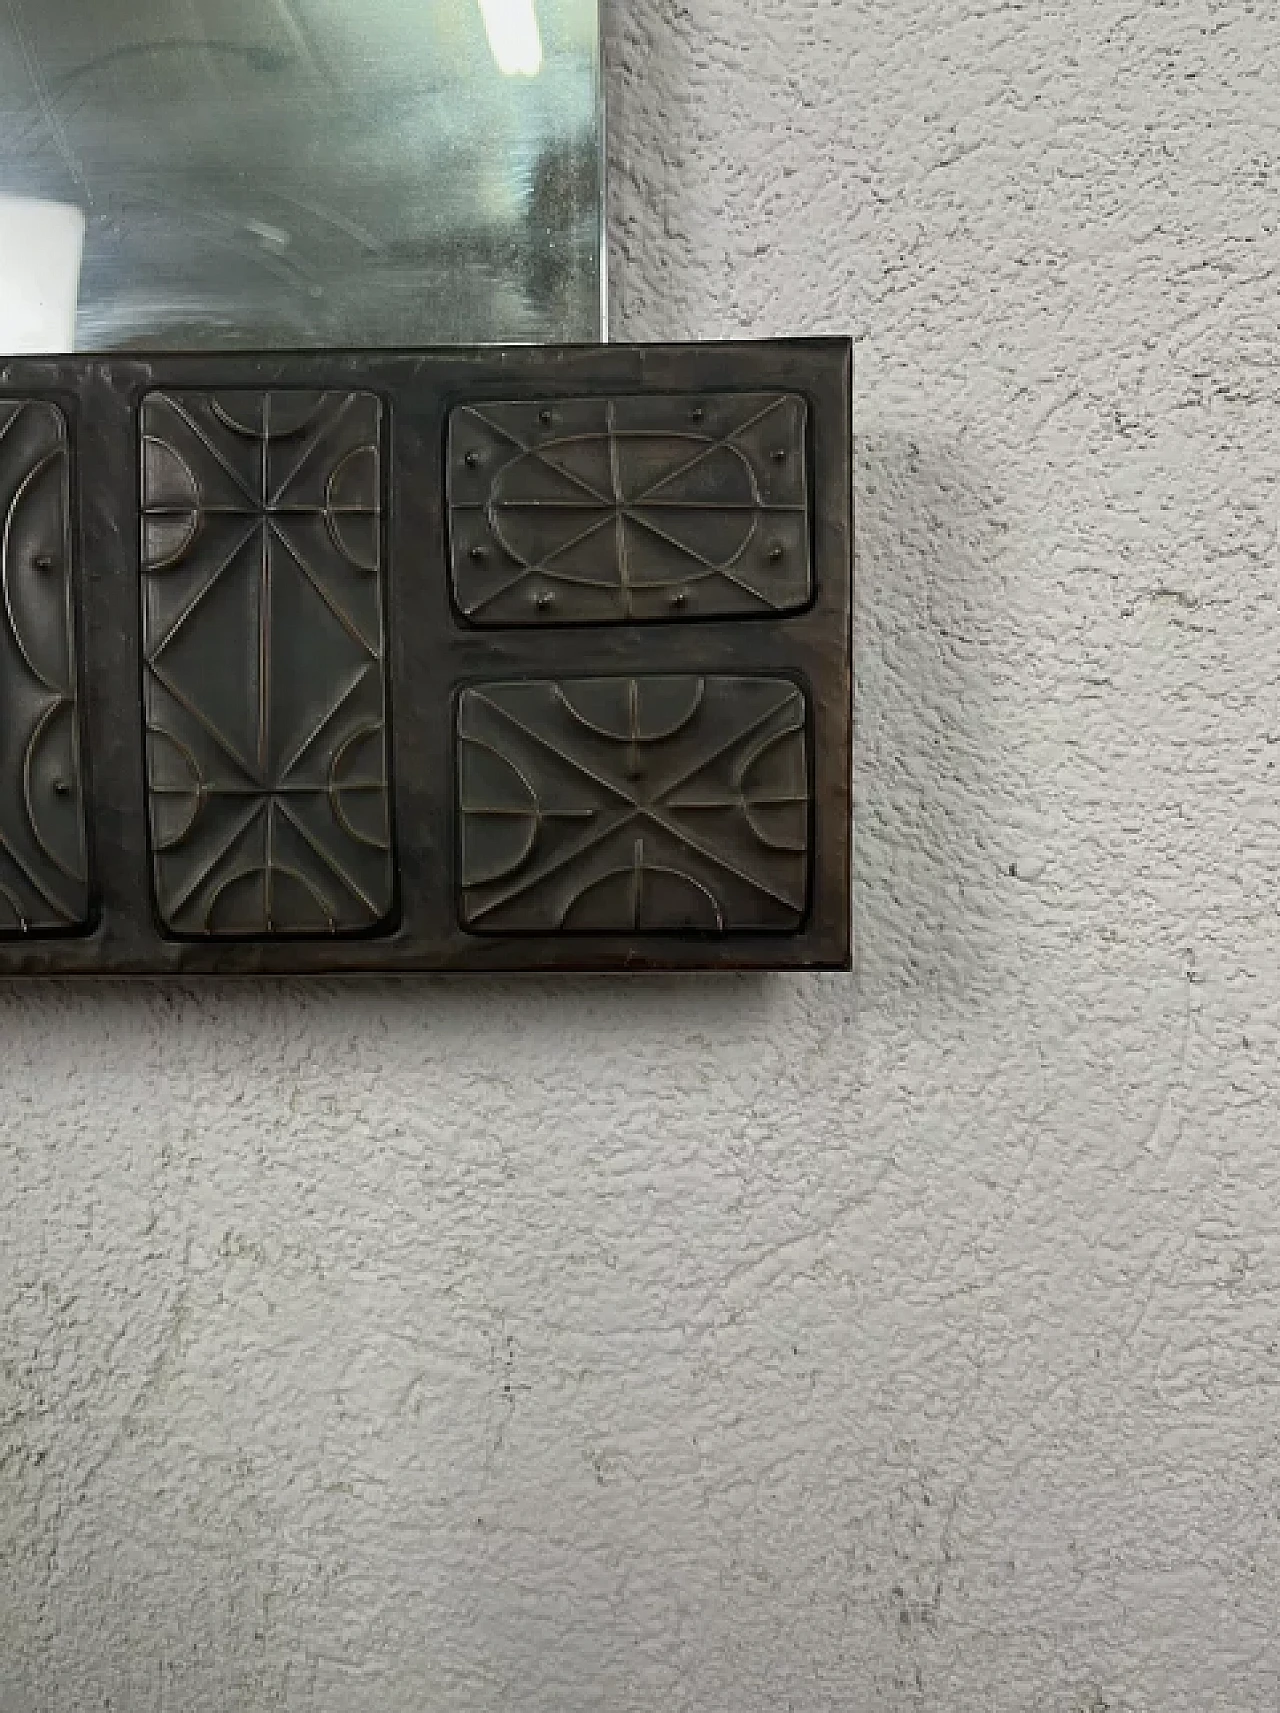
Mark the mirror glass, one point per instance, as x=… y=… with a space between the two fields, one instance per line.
x=284 y=173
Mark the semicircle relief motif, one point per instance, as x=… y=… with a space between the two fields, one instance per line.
x=44 y=883
x=263 y=632
x=634 y=805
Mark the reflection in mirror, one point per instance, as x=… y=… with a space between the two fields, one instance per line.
x=514 y=36
x=41 y=245
x=238 y=173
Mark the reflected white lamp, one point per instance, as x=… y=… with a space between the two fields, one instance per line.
x=41 y=250
x=514 y=37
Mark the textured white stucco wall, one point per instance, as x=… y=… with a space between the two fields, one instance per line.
x=909 y=1341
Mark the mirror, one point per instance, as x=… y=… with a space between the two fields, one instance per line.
x=298 y=173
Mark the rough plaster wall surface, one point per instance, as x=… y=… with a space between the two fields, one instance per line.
x=906 y=1341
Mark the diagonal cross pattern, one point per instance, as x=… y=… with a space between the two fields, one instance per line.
x=609 y=804
x=265 y=690
x=629 y=509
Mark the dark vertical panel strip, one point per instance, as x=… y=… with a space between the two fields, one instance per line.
x=44 y=884
x=265 y=677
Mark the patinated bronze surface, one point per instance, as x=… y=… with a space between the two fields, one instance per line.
x=501 y=659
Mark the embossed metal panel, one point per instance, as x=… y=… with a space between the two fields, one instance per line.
x=634 y=805
x=43 y=874
x=590 y=511
x=263 y=633
x=311 y=742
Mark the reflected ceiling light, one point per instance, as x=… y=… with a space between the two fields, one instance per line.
x=514 y=37
x=41 y=248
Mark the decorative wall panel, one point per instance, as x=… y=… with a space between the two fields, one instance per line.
x=394 y=661
x=43 y=872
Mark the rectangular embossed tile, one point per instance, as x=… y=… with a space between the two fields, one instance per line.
x=634 y=805
x=265 y=683
x=632 y=509
x=43 y=874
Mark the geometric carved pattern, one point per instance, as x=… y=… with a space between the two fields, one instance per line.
x=43 y=876
x=591 y=511
x=264 y=712
x=634 y=805
x=265 y=683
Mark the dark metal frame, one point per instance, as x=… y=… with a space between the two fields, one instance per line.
x=433 y=653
